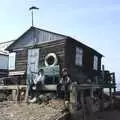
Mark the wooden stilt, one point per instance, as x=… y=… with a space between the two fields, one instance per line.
x=26 y=94
x=102 y=100
x=73 y=98
x=14 y=93
x=91 y=93
x=18 y=94
x=89 y=108
x=114 y=89
x=83 y=104
x=101 y=90
x=73 y=102
x=110 y=94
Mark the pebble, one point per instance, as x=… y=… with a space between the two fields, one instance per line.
x=12 y=111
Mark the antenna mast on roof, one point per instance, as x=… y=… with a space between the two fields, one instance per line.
x=32 y=9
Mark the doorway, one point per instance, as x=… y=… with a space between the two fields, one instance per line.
x=32 y=64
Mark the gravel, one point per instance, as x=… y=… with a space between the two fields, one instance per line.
x=22 y=111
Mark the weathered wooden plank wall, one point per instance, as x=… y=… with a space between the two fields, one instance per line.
x=21 y=60
x=56 y=47
x=65 y=49
x=35 y=36
x=80 y=73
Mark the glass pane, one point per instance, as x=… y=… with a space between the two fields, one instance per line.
x=12 y=61
x=95 y=64
x=79 y=55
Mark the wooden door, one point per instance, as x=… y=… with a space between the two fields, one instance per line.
x=32 y=64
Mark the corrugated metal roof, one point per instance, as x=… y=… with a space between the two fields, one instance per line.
x=40 y=36
x=34 y=36
x=3 y=46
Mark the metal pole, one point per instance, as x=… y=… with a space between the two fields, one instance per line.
x=32 y=9
x=32 y=18
x=103 y=73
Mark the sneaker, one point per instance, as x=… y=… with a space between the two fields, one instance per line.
x=33 y=100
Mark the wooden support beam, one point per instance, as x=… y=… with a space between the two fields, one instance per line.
x=101 y=100
x=111 y=98
x=27 y=94
x=103 y=73
x=73 y=102
x=83 y=104
x=91 y=93
x=11 y=87
x=18 y=95
x=73 y=99
x=14 y=93
x=114 y=84
x=89 y=104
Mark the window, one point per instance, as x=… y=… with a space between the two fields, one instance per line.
x=79 y=56
x=12 y=61
x=95 y=63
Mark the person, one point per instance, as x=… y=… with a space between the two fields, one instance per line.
x=40 y=78
x=37 y=85
x=63 y=85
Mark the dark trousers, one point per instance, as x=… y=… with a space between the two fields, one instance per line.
x=35 y=92
x=64 y=94
x=31 y=91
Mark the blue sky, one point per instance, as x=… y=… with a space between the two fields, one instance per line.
x=94 y=22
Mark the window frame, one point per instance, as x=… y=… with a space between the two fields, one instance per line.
x=79 y=56
x=95 y=62
x=12 y=65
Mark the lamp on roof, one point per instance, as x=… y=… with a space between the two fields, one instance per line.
x=32 y=9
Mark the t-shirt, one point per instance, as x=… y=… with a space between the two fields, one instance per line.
x=39 y=78
x=64 y=82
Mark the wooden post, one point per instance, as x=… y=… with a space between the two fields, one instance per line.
x=91 y=93
x=73 y=98
x=73 y=101
x=103 y=73
x=14 y=93
x=26 y=94
x=101 y=90
x=110 y=93
x=83 y=103
x=18 y=94
x=114 y=89
x=102 y=100
x=89 y=108
x=114 y=84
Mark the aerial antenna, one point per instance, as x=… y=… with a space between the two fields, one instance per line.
x=32 y=9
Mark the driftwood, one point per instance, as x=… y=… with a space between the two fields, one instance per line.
x=26 y=95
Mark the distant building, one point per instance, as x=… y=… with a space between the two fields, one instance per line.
x=4 y=58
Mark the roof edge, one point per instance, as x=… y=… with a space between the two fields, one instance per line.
x=32 y=27
x=86 y=46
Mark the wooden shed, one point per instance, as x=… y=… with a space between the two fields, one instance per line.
x=30 y=49
x=4 y=59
